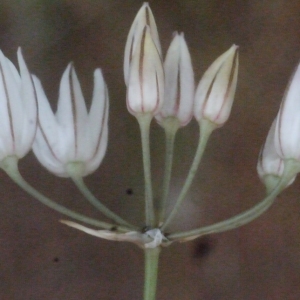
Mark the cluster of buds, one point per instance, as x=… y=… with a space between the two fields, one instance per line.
x=166 y=90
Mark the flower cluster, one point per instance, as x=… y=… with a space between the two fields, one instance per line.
x=72 y=142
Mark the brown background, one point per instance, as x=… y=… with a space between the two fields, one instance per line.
x=43 y=259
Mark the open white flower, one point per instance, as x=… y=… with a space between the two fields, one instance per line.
x=215 y=92
x=179 y=83
x=18 y=108
x=72 y=135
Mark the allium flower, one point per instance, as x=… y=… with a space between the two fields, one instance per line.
x=145 y=89
x=18 y=108
x=72 y=134
x=143 y=18
x=179 y=83
x=215 y=92
x=287 y=134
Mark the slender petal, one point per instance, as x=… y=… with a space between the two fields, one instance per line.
x=179 y=83
x=146 y=79
x=143 y=18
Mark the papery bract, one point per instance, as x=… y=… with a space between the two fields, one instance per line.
x=18 y=108
x=287 y=134
x=179 y=83
x=72 y=134
x=143 y=18
x=215 y=92
x=145 y=88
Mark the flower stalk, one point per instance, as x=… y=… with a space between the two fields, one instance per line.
x=151 y=272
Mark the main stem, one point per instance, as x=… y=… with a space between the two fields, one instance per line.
x=151 y=270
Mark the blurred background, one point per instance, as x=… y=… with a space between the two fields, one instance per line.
x=41 y=258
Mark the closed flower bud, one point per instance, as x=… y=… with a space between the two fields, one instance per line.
x=179 y=83
x=145 y=89
x=72 y=135
x=270 y=165
x=18 y=108
x=143 y=18
x=287 y=134
x=215 y=92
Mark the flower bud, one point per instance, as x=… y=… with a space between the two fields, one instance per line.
x=287 y=134
x=145 y=89
x=143 y=18
x=270 y=165
x=179 y=83
x=215 y=92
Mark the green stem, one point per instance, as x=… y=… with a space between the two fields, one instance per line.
x=144 y=122
x=10 y=166
x=73 y=169
x=171 y=126
x=151 y=270
x=291 y=168
x=206 y=128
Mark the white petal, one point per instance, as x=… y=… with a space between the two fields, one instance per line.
x=46 y=146
x=11 y=114
x=269 y=162
x=97 y=126
x=71 y=115
x=179 y=82
x=287 y=136
x=146 y=79
x=29 y=106
x=144 y=17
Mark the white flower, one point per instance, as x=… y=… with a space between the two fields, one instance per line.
x=145 y=89
x=72 y=134
x=287 y=134
x=179 y=83
x=18 y=108
x=215 y=92
x=143 y=18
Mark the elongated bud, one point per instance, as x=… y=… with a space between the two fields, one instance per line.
x=145 y=88
x=143 y=18
x=215 y=92
x=270 y=165
x=179 y=83
x=287 y=134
